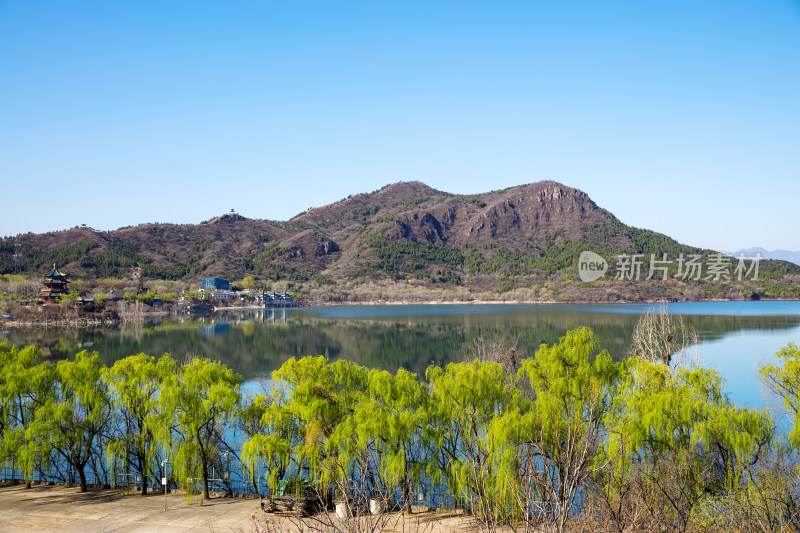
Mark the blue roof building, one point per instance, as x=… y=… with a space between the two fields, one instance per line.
x=217 y=284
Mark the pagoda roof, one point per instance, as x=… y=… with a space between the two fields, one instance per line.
x=54 y=273
x=50 y=292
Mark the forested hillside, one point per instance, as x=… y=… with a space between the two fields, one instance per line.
x=404 y=236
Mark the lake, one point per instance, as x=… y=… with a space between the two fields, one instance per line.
x=736 y=336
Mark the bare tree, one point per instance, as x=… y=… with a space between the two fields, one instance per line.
x=21 y=287
x=768 y=503
x=131 y=312
x=661 y=337
x=496 y=350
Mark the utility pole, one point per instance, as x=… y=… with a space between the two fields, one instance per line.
x=17 y=255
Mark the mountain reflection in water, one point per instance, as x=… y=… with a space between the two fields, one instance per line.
x=256 y=342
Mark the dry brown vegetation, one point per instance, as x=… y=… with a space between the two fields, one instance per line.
x=518 y=244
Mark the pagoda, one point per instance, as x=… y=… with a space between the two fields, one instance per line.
x=54 y=285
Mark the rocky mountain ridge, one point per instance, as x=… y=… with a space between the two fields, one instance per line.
x=406 y=231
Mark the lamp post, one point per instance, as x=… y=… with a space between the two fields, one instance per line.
x=164 y=480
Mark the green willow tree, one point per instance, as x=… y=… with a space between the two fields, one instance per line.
x=312 y=425
x=465 y=399
x=136 y=381
x=389 y=423
x=25 y=387
x=204 y=397
x=784 y=382
x=674 y=439
x=76 y=417
x=653 y=447
x=270 y=439
x=323 y=398
x=546 y=444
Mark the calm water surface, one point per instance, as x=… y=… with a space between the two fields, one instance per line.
x=736 y=336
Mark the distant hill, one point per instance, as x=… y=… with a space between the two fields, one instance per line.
x=526 y=237
x=782 y=255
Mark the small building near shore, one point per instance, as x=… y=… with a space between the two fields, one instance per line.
x=278 y=300
x=224 y=295
x=119 y=294
x=263 y=298
x=244 y=295
x=86 y=302
x=54 y=285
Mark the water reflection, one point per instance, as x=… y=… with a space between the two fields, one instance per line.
x=258 y=341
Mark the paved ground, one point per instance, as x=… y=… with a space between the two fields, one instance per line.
x=53 y=508
x=63 y=509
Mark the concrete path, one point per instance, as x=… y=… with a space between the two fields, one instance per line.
x=62 y=509
x=54 y=508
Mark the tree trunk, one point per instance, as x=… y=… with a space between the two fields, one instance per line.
x=82 y=476
x=406 y=498
x=205 y=480
x=145 y=470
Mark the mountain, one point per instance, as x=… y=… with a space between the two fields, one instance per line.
x=782 y=255
x=407 y=234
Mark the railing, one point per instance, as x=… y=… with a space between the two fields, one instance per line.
x=40 y=476
x=434 y=497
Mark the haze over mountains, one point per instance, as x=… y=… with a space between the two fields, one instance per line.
x=406 y=231
x=783 y=255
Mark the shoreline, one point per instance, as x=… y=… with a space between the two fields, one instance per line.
x=89 y=322
x=524 y=302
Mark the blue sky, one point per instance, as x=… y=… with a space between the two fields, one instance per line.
x=681 y=117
